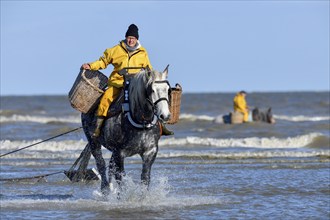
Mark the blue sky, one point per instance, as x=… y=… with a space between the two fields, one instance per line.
x=211 y=46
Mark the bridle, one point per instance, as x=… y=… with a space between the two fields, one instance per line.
x=146 y=124
x=168 y=100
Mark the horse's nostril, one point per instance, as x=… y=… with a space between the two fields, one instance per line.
x=164 y=117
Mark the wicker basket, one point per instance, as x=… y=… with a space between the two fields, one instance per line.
x=87 y=90
x=236 y=117
x=176 y=94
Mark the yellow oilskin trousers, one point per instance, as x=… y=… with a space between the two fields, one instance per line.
x=240 y=106
x=108 y=97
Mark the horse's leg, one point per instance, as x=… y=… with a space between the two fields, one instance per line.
x=116 y=167
x=148 y=159
x=101 y=167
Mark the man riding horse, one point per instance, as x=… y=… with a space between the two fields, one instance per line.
x=128 y=53
x=241 y=106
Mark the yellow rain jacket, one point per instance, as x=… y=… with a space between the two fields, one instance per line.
x=120 y=58
x=241 y=106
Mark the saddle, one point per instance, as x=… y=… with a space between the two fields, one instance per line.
x=116 y=106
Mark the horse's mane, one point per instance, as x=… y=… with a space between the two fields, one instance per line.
x=138 y=88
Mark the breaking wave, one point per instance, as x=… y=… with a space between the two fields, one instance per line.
x=255 y=142
x=188 y=117
x=298 y=118
x=245 y=155
x=56 y=148
x=38 y=119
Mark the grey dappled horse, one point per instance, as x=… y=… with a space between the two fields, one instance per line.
x=134 y=132
x=257 y=116
x=266 y=116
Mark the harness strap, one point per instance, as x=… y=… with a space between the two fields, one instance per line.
x=126 y=107
x=149 y=125
x=162 y=99
x=160 y=128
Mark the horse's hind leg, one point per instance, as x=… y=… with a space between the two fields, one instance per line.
x=101 y=167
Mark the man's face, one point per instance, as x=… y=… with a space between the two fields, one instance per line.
x=131 y=41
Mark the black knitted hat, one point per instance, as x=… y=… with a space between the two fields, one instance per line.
x=133 y=30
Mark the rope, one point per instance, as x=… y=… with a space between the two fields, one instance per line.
x=40 y=142
x=33 y=177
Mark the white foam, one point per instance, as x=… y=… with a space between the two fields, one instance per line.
x=192 y=117
x=61 y=149
x=39 y=119
x=218 y=118
x=300 y=118
x=244 y=155
x=255 y=142
x=52 y=146
x=189 y=117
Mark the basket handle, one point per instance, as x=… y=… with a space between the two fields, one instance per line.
x=93 y=86
x=177 y=87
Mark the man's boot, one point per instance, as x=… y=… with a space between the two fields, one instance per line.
x=165 y=131
x=99 y=123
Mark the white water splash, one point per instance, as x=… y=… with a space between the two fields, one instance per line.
x=133 y=196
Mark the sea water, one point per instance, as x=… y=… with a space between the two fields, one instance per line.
x=207 y=170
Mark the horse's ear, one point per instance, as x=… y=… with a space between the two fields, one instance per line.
x=269 y=110
x=148 y=69
x=148 y=72
x=166 y=70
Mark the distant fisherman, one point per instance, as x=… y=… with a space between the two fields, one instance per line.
x=241 y=106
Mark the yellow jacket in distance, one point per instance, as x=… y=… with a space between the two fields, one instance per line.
x=240 y=104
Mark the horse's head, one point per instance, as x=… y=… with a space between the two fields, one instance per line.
x=269 y=116
x=158 y=92
x=150 y=94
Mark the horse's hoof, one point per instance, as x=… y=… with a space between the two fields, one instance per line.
x=105 y=191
